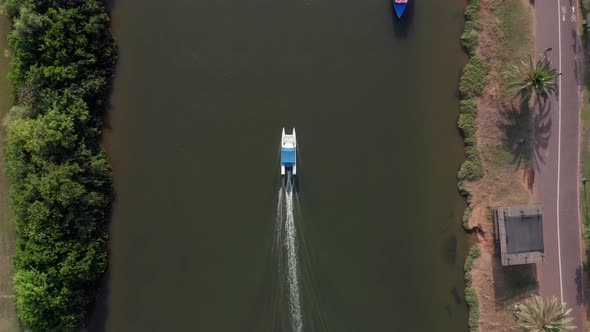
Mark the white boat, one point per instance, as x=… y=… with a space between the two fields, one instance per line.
x=288 y=154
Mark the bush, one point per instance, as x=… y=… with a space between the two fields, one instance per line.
x=470 y=36
x=471 y=85
x=60 y=193
x=471 y=170
x=467 y=124
x=473 y=78
x=473 y=305
x=472 y=10
x=472 y=153
x=472 y=25
x=464 y=191
x=468 y=105
x=466 y=216
x=470 y=40
x=470 y=293
x=474 y=252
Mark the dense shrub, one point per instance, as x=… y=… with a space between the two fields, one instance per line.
x=472 y=25
x=464 y=191
x=468 y=106
x=474 y=252
x=470 y=293
x=470 y=36
x=466 y=216
x=471 y=85
x=470 y=40
x=63 y=56
x=472 y=168
x=473 y=305
x=472 y=10
x=467 y=124
x=473 y=78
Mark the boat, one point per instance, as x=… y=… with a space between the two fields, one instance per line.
x=288 y=155
x=400 y=7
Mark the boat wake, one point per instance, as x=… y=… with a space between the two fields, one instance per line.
x=286 y=235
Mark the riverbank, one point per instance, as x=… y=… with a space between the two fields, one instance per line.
x=503 y=135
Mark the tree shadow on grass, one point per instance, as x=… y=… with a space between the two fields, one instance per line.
x=526 y=132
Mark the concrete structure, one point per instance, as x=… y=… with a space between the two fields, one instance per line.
x=519 y=233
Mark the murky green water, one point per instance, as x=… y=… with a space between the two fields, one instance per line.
x=202 y=92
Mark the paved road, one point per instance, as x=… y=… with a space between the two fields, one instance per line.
x=557 y=138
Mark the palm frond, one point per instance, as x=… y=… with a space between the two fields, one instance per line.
x=533 y=79
x=538 y=315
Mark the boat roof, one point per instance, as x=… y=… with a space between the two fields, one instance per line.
x=288 y=141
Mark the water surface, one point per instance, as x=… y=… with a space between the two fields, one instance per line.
x=203 y=89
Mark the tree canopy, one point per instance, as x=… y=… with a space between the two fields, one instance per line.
x=63 y=58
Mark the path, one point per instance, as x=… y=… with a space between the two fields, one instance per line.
x=557 y=185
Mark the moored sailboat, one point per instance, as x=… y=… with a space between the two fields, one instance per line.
x=400 y=7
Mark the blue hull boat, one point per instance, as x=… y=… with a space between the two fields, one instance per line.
x=399 y=8
x=288 y=153
x=289 y=159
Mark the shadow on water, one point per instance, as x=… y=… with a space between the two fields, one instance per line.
x=98 y=310
x=450 y=251
x=110 y=4
x=456 y=296
x=403 y=25
x=97 y=319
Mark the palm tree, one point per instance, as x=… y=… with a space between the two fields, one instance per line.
x=533 y=79
x=538 y=315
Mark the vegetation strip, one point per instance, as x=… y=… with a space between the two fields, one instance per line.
x=470 y=293
x=470 y=86
x=63 y=57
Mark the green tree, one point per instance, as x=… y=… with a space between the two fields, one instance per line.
x=533 y=79
x=538 y=315
x=60 y=192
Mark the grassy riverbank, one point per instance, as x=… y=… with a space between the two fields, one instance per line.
x=62 y=61
x=499 y=168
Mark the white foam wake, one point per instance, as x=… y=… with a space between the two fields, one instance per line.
x=293 y=282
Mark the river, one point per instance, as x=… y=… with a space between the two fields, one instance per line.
x=203 y=89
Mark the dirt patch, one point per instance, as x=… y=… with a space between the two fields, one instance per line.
x=508 y=136
x=503 y=290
